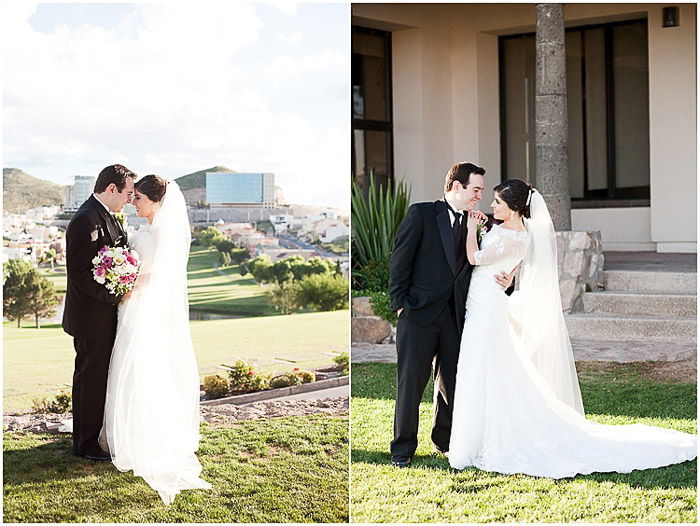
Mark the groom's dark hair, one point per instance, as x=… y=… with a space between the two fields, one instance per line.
x=115 y=173
x=460 y=172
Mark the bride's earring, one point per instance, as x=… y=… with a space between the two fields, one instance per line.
x=511 y=214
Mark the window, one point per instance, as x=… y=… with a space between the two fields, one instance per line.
x=372 y=144
x=608 y=111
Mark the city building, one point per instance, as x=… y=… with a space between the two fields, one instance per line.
x=240 y=189
x=77 y=193
x=433 y=84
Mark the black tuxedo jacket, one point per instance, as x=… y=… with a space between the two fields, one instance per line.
x=90 y=310
x=422 y=273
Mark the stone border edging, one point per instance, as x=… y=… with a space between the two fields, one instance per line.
x=281 y=391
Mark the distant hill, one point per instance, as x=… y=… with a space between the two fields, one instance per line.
x=198 y=179
x=21 y=191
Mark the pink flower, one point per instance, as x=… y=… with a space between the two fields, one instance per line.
x=124 y=279
x=103 y=249
x=107 y=262
x=100 y=271
x=131 y=259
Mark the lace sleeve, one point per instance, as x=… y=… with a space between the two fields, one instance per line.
x=507 y=245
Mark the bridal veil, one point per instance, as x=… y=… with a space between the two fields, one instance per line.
x=536 y=309
x=152 y=409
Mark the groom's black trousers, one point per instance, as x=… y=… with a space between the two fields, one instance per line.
x=89 y=390
x=417 y=348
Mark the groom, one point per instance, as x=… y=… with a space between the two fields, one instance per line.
x=428 y=284
x=90 y=313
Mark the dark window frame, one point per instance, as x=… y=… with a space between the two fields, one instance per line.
x=610 y=200
x=371 y=124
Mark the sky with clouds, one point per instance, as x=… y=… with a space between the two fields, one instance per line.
x=176 y=88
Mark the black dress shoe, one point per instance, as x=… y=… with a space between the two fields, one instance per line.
x=100 y=457
x=400 y=462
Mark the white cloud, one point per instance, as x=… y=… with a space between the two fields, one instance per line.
x=173 y=89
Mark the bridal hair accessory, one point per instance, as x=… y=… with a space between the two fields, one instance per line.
x=529 y=196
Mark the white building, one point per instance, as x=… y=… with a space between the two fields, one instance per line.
x=440 y=83
x=82 y=188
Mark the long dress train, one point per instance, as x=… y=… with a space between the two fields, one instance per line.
x=512 y=412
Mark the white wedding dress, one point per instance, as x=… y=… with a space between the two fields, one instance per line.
x=151 y=421
x=517 y=405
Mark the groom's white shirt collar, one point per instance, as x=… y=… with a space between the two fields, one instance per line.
x=98 y=200
x=452 y=209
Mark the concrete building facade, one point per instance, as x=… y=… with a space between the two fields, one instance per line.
x=456 y=83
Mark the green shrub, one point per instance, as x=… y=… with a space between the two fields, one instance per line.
x=376 y=214
x=323 y=292
x=238 y=255
x=343 y=359
x=215 y=386
x=374 y=276
x=283 y=297
x=381 y=305
x=285 y=380
x=61 y=403
x=224 y=259
x=306 y=376
x=244 y=378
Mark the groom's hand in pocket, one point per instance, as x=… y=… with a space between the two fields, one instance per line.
x=398 y=312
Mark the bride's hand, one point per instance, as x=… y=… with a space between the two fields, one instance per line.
x=126 y=296
x=474 y=219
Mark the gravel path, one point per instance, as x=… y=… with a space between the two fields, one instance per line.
x=217 y=416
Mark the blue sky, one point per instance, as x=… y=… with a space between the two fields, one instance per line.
x=173 y=88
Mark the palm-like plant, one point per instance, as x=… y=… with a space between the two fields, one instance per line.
x=375 y=220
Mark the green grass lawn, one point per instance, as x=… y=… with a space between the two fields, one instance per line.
x=39 y=361
x=278 y=470
x=430 y=491
x=230 y=294
x=208 y=290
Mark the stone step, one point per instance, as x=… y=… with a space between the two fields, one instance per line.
x=640 y=303
x=616 y=328
x=647 y=281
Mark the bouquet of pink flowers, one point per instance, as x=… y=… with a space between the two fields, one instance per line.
x=116 y=268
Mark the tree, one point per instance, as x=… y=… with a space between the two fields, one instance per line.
x=261 y=268
x=239 y=255
x=224 y=245
x=210 y=236
x=323 y=292
x=42 y=296
x=283 y=297
x=16 y=300
x=26 y=291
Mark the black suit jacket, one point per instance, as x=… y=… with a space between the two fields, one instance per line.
x=90 y=310
x=422 y=273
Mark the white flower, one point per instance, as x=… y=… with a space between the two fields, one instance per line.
x=119 y=259
x=96 y=260
x=110 y=253
x=100 y=280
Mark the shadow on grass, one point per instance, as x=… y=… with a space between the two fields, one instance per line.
x=53 y=459
x=628 y=395
x=676 y=476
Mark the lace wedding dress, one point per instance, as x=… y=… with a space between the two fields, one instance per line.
x=517 y=402
x=151 y=422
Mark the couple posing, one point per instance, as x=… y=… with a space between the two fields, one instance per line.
x=507 y=397
x=136 y=383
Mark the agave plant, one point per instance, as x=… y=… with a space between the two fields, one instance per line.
x=375 y=220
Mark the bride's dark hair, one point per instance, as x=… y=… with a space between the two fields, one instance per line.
x=152 y=186
x=516 y=194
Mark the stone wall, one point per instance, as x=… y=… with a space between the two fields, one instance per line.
x=580 y=269
x=580 y=266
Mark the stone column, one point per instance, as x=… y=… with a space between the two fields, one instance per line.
x=551 y=123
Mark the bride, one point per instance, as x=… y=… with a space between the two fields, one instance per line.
x=518 y=406
x=151 y=419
